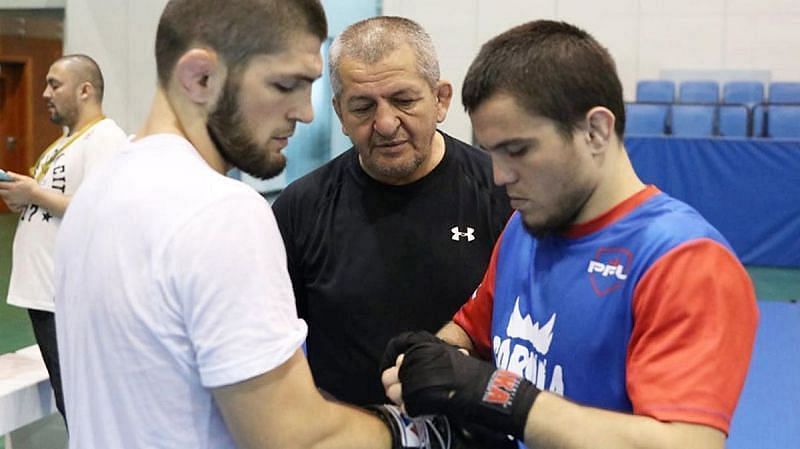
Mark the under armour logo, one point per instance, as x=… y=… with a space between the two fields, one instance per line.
x=457 y=234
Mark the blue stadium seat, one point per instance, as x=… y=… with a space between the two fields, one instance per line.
x=645 y=119
x=655 y=91
x=732 y=120
x=749 y=93
x=783 y=121
x=699 y=92
x=784 y=93
x=758 y=120
x=693 y=120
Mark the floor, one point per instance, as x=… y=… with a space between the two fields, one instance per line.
x=772 y=284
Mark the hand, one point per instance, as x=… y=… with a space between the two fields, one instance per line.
x=393 y=357
x=19 y=192
x=12 y=206
x=391 y=383
x=437 y=378
x=399 y=344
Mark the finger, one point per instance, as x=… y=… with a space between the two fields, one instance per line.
x=395 y=394
x=390 y=377
x=399 y=360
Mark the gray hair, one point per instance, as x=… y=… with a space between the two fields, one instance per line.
x=372 y=39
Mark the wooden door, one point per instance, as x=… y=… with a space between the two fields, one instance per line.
x=14 y=118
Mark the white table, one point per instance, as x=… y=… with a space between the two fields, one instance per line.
x=25 y=393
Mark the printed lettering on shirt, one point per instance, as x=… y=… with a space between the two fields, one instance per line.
x=524 y=351
x=60 y=178
x=607 y=270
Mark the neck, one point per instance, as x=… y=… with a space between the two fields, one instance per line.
x=618 y=183
x=170 y=116
x=437 y=152
x=88 y=115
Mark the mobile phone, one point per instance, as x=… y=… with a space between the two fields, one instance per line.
x=4 y=177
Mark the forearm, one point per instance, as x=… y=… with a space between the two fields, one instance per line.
x=556 y=423
x=453 y=333
x=338 y=426
x=55 y=202
x=436 y=377
x=283 y=410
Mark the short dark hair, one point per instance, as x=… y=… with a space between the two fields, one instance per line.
x=87 y=70
x=553 y=69
x=237 y=29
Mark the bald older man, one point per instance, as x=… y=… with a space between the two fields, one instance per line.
x=74 y=95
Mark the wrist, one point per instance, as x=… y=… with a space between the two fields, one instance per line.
x=506 y=403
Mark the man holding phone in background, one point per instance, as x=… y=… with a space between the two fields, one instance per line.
x=74 y=95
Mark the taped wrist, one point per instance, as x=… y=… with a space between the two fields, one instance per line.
x=429 y=432
x=505 y=403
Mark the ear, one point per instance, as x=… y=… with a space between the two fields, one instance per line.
x=601 y=128
x=443 y=93
x=338 y=108
x=200 y=75
x=85 y=91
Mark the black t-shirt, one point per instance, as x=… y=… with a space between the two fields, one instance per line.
x=370 y=260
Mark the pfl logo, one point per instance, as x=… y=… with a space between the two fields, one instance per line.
x=458 y=234
x=607 y=269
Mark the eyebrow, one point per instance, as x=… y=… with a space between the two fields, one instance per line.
x=307 y=78
x=508 y=143
x=358 y=99
x=403 y=91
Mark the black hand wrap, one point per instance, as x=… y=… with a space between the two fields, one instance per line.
x=438 y=378
x=401 y=343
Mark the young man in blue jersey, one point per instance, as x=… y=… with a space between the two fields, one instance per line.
x=610 y=310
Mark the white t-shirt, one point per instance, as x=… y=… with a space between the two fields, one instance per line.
x=31 y=284
x=171 y=279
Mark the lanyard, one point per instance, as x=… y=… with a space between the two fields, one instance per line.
x=40 y=169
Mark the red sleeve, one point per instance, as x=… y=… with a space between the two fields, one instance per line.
x=695 y=318
x=475 y=316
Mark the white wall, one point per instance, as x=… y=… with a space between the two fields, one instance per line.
x=120 y=35
x=645 y=37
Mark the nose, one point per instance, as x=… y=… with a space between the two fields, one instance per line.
x=303 y=111
x=386 y=121
x=47 y=93
x=502 y=171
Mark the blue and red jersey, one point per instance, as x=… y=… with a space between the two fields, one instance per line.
x=645 y=309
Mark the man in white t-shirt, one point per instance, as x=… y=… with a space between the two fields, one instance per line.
x=175 y=311
x=74 y=95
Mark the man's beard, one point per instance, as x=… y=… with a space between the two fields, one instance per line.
x=573 y=204
x=63 y=118
x=393 y=171
x=233 y=141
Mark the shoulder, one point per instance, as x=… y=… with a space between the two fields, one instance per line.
x=472 y=162
x=107 y=129
x=316 y=185
x=674 y=222
x=466 y=152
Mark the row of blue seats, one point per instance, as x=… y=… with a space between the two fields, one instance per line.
x=749 y=93
x=696 y=120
